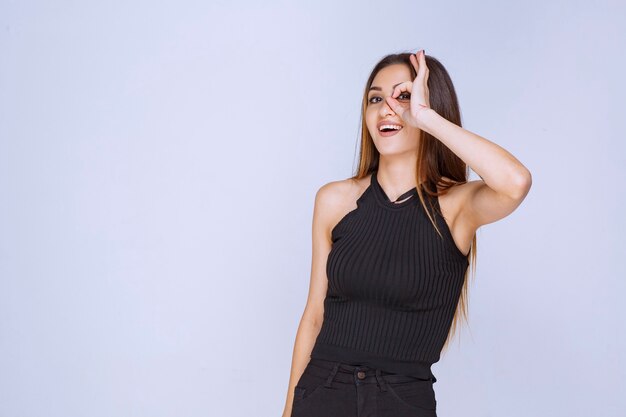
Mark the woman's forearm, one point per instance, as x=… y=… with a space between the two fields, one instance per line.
x=498 y=168
x=305 y=339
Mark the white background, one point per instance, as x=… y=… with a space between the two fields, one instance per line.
x=158 y=167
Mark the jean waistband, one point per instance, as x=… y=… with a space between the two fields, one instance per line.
x=346 y=373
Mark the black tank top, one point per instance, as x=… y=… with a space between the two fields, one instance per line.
x=393 y=285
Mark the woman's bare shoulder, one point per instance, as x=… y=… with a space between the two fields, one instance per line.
x=451 y=203
x=340 y=190
x=336 y=198
x=451 y=198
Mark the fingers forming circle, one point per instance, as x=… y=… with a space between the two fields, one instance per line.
x=405 y=86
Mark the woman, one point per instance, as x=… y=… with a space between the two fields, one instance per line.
x=390 y=266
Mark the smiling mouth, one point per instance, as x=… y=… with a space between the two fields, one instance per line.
x=388 y=132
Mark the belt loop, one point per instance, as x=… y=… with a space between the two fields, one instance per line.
x=332 y=375
x=382 y=384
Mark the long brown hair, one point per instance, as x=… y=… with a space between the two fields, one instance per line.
x=434 y=159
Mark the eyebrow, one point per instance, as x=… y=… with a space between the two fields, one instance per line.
x=380 y=89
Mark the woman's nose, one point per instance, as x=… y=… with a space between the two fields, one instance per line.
x=385 y=109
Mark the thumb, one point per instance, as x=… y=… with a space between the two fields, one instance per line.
x=396 y=107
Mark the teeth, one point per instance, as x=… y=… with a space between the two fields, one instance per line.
x=396 y=127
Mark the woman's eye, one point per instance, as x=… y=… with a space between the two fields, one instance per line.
x=403 y=96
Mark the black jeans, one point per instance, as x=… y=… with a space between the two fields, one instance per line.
x=336 y=389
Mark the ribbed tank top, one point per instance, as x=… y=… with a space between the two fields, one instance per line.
x=393 y=285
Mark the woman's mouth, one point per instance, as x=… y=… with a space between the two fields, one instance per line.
x=389 y=130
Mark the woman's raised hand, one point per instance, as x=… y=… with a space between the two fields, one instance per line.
x=418 y=90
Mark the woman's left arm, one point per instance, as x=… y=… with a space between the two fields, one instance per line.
x=505 y=181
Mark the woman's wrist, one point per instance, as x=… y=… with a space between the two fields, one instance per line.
x=427 y=119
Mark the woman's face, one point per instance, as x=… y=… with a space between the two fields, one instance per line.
x=407 y=138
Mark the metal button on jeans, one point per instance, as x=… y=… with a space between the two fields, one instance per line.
x=360 y=374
